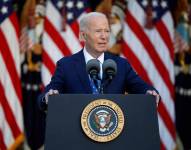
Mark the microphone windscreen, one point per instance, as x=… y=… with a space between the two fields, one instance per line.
x=92 y=64
x=110 y=65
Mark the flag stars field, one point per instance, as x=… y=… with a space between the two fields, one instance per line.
x=4 y=10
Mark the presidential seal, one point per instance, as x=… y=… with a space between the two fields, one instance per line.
x=102 y=120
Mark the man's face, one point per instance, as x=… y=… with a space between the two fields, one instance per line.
x=97 y=35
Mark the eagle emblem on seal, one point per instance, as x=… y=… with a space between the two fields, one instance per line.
x=102 y=120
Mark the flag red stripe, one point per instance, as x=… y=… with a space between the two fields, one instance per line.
x=2 y=144
x=162 y=147
x=9 y=114
x=140 y=69
x=134 y=61
x=14 y=21
x=56 y=37
x=6 y=53
x=134 y=25
x=166 y=37
x=168 y=121
x=75 y=28
x=48 y=62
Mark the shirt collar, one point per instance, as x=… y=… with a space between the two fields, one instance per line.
x=88 y=56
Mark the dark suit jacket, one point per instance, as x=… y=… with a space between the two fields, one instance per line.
x=71 y=77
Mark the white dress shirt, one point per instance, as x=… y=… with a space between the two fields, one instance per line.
x=88 y=57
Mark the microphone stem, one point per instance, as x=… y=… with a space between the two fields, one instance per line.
x=103 y=85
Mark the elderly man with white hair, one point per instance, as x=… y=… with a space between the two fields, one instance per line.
x=71 y=76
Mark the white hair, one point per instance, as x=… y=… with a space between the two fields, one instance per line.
x=84 y=20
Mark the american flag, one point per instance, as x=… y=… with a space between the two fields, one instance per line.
x=11 y=120
x=148 y=44
x=61 y=28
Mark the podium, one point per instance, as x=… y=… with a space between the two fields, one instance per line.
x=64 y=131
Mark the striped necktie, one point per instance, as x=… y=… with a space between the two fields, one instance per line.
x=94 y=88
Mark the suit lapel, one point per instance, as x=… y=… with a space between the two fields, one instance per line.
x=80 y=67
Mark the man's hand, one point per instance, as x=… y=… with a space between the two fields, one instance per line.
x=154 y=93
x=50 y=92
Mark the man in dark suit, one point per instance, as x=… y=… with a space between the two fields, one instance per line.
x=71 y=75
